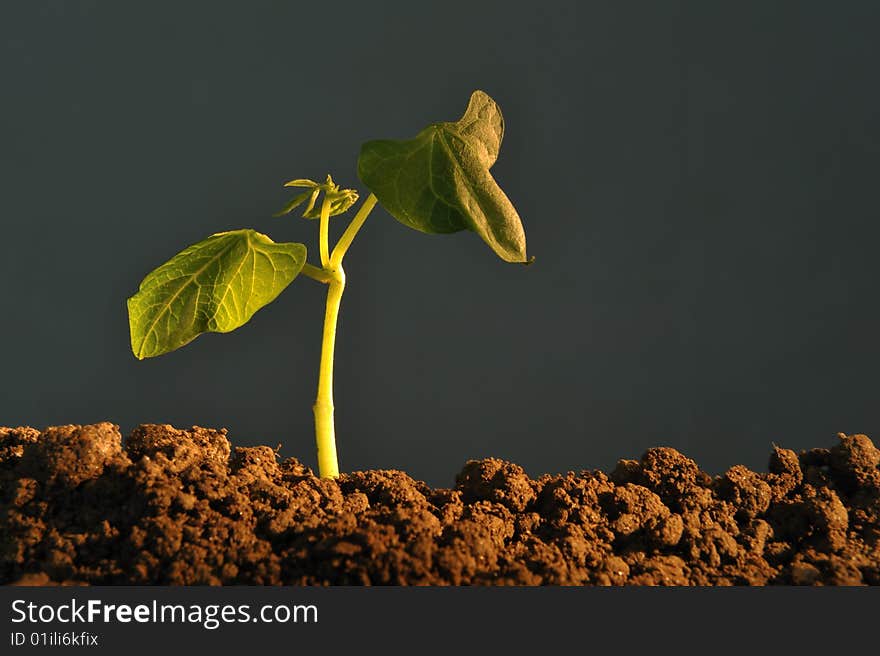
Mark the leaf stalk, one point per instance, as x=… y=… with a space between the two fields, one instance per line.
x=316 y=273
x=324 y=235
x=351 y=231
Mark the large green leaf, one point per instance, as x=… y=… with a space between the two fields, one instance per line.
x=439 y=182
x=215 y=285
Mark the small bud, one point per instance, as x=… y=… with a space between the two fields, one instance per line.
x=340 y=199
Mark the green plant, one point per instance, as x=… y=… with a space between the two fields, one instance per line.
x=437 y=182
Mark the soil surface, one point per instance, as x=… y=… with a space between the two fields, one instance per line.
x=181 y=507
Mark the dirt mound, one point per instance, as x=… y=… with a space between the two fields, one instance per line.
x=180 y=507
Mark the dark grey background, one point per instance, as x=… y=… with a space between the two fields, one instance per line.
x=698 y=182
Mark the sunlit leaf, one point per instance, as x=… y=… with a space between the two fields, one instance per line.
x=215 y=285
x=439 y=181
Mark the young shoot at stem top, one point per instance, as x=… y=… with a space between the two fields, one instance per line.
x=437 y=182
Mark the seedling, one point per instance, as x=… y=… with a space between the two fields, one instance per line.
x=437 y=182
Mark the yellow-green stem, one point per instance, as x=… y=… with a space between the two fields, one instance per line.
x=348 y=236
x=325 y=433
x=316 y=273
x=331 y=273
x=324 y=232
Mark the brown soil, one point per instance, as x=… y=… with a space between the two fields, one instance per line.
x=179 y=507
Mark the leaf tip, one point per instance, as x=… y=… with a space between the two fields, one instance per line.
x=137 y=350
